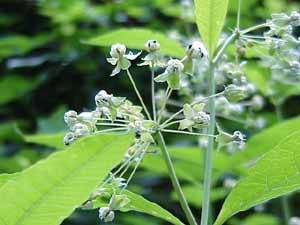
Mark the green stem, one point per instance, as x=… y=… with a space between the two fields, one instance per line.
x=174 y=179
x=153 y=92
x=186 y=132
x=208 y=152
x=138 y=94
x=286 y=209
x=256 y=27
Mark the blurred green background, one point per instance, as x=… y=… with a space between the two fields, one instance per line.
x=46 y=69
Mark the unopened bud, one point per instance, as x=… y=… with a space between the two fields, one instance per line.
x=152 y=45
x=235 y=93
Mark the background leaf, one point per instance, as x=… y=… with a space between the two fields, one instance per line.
x=49 y=191
x=275 y=174
x=51 y=140
x=136 y=38
x=266 y=140
x=210 y=17
x=14 y=86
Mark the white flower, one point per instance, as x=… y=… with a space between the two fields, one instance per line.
x=70 y=118
x=172 y=74
x=257 y=102
x=69 y=138
x=80 y=130
x=102 y=98
x=294 y=221
x=120 y=59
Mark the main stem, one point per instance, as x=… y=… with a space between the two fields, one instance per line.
x=174 y=179
x=209 y=150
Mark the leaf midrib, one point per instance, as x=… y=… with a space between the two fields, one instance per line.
x=63 y=180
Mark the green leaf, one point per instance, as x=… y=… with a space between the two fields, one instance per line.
x=260 y=219
x=276 y=173
x=139 y=204
x=266 y=140
x=49 y=191
x=6 y=177
x=210 y=17
x=136 y=38
x=194 y=194
x=188 y=162
x=13 y=87
x=51 y=140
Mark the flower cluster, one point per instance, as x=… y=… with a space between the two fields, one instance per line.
x=187 y=76
x=194 y=117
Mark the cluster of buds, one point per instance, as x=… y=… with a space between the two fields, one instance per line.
x=194 y=117
x=108 y=108
x=282 y=23
x=284 y=59
x=79 y=124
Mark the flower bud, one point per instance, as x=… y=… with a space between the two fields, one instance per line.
x=280 y=19
x=295 y=19
x=117 y=50
x=294 y=221
x=229 y=183
x=174 y=66
x=69 y=138
x=152 y=45
x=70 y=118
x=196 y=50
x=257 y=102
x=102 y=98
x=118 y=201
x=106 y=214
x=235 y=93
x=202 y=117
x=80 y=130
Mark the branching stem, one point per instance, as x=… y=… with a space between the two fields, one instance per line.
x=186 y=132
x=174 y=179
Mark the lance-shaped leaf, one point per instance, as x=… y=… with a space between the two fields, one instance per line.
x=276 y=173
x=210 y=17
x=140 y=204
x=136 y=38
x=50 y=190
